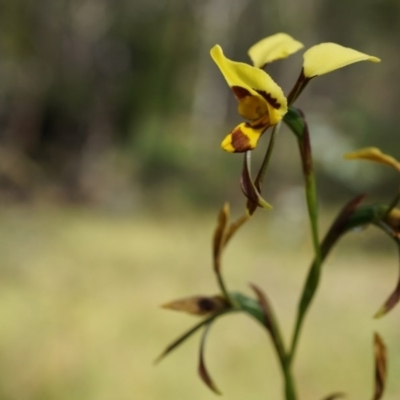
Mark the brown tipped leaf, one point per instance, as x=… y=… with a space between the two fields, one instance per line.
x=263 y=301
x=198 y=305
x=219 y=235
x=380 y=366
x=394 y=298
x=234 y=226
x=202 y=369
x=269 y=320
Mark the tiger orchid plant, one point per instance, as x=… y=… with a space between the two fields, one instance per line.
x=264 y=106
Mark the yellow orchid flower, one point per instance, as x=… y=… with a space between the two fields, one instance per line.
x=327 y=57
x=373 y=154
x=261 y=101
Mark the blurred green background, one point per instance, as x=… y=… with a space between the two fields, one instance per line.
x=111 y=116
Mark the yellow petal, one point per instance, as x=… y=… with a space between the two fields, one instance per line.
x=273 y=48
x=252 y=107
x=246 y=80
x=243 y=138
x=327 y=57
x=393 y=220
x=373 y=154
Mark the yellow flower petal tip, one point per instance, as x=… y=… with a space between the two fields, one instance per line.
x=327 y=57
x=373 y=154
x=242 y=138
x=273 y=48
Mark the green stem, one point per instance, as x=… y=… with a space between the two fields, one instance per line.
x=313 y=277
x=224 y=290
x=263 y=312
x=290 y=391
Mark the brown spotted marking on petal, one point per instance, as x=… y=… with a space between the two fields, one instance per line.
x=240 y=142
x=271 y=100
x=240 y=92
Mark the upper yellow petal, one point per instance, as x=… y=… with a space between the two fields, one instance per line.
x=246 y=80
x=327 y=57
x=273 y=48
x=373 y=154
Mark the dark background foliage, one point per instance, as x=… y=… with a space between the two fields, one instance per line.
x=117 y=102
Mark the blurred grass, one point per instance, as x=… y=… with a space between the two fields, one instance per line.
x=80 y=290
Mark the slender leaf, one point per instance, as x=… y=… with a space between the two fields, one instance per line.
x=380 y=366
x=219 y=236
x=394 y=297
x=270 y=321
x=202 y=369
x=250 y=306
x=184 y=337
x=234 y=226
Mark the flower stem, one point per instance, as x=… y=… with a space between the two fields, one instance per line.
x=313 y=277
x=299 y=86
x=290 y=391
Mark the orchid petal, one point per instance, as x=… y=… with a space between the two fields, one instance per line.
x=246 y=80
x=327 y=57
x=373 y=154
x=273 y=48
